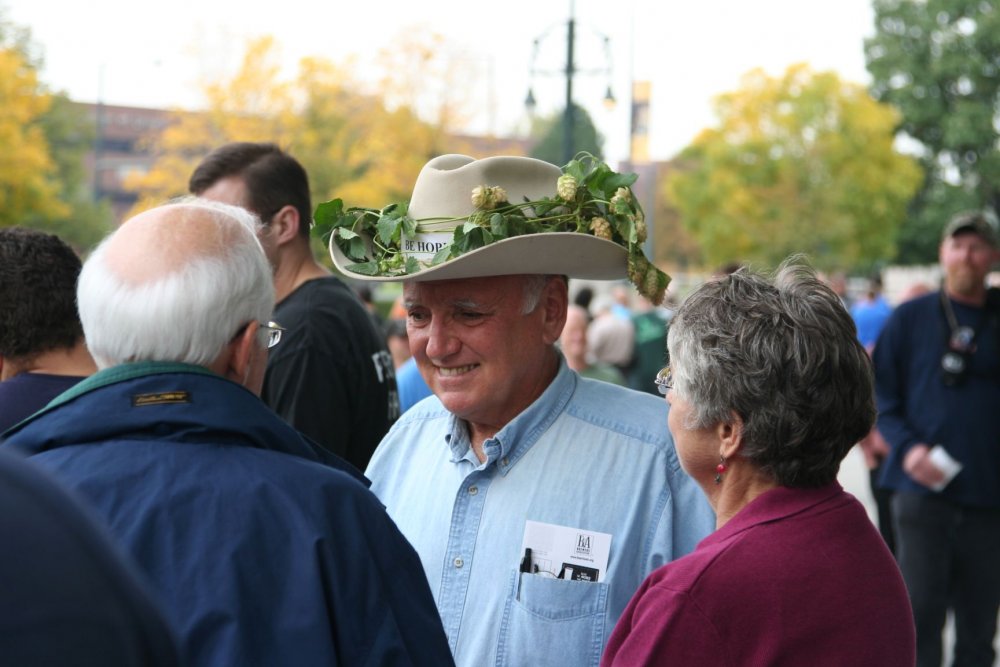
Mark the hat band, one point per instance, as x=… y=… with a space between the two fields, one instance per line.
x=424 y=245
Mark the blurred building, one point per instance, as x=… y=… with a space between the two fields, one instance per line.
x=122 y=147
x=125 y=136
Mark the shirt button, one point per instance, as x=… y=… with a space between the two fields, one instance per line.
x=473 y=490
x=459 y=562
x=504 y=461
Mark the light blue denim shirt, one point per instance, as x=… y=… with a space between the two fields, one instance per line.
x=586 y=454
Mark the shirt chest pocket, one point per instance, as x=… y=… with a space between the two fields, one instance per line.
x=549 y=621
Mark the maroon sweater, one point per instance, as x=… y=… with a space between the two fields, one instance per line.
x=798 y=577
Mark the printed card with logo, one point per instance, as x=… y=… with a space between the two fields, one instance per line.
x=564 y=552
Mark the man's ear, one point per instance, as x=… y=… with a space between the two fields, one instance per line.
x=285 y=224
x=554 y=301
x=233 y=362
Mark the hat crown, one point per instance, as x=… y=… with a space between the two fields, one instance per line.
x=444 y=186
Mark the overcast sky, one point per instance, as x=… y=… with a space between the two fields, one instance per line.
x=143 y=53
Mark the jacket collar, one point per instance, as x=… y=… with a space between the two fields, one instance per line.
x=162 y=401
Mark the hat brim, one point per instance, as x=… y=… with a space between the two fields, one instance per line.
x=559 y=253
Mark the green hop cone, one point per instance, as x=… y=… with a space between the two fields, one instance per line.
x=601 y=228
x=640 y=228
x=566 y=187
x=487 y=198
x=480 y=196
x=654 y=285
x=637 y=266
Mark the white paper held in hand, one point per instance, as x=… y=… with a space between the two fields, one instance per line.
x=943 y=461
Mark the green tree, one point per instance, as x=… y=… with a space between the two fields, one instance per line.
x=938 y=62
x=799 y=163
x=70 y=132
x=43 y=182
x=365 y=146
x=551 y=136
x=28 y=187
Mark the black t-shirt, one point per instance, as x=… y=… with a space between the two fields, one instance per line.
x=331 y=376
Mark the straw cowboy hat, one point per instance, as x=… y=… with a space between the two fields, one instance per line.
x=456 y=194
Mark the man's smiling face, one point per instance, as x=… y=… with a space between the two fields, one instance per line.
x=484 y=358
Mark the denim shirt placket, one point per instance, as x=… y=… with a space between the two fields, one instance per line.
x=466 y=517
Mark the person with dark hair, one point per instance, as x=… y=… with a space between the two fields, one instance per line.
x=42 y=352
x=69 y=597
x=769 y=389
x=332 y=378
x=261 y=551
x=937 y=371
x=583 y=298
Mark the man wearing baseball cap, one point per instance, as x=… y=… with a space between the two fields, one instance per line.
x=937 y=367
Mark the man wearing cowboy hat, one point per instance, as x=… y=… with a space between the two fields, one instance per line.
x=537 y=500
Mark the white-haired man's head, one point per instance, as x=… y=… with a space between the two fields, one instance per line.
x=181 y=282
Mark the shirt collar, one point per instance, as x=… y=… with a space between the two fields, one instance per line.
x=512 y=441
x=777 y=503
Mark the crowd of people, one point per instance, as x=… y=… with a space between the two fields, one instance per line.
x=231 y=457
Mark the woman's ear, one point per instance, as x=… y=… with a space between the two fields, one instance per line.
x=730 y=436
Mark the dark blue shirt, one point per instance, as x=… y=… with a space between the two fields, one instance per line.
x=26 y=393
x=916 y=406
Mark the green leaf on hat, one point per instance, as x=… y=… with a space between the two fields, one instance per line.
x=365 y=268
x=389 y=229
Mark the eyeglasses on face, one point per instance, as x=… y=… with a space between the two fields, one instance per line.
x=664 y=380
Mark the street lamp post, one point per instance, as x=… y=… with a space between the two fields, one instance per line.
x=569 y=121
x=570 y=71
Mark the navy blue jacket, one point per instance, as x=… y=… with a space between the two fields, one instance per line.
x=67 y=596
x=915 y=405
x=261 y=554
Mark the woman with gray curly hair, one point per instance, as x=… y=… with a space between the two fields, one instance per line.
x=768 y=390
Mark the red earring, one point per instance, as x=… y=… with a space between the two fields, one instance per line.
x=719 y=469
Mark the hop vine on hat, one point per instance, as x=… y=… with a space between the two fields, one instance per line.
x=588 y=198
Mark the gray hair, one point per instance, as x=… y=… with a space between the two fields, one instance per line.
x=190 y=313
x=533 y=287
x=783 y=354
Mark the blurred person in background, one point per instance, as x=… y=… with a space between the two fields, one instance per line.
x=573 y=343
x=937 y=370
x=610 y=338
x=650 y=350
x=42 y=351
x=870 y=313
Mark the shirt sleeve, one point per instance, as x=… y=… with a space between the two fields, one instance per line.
x=661 y=626
x=889 y=359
